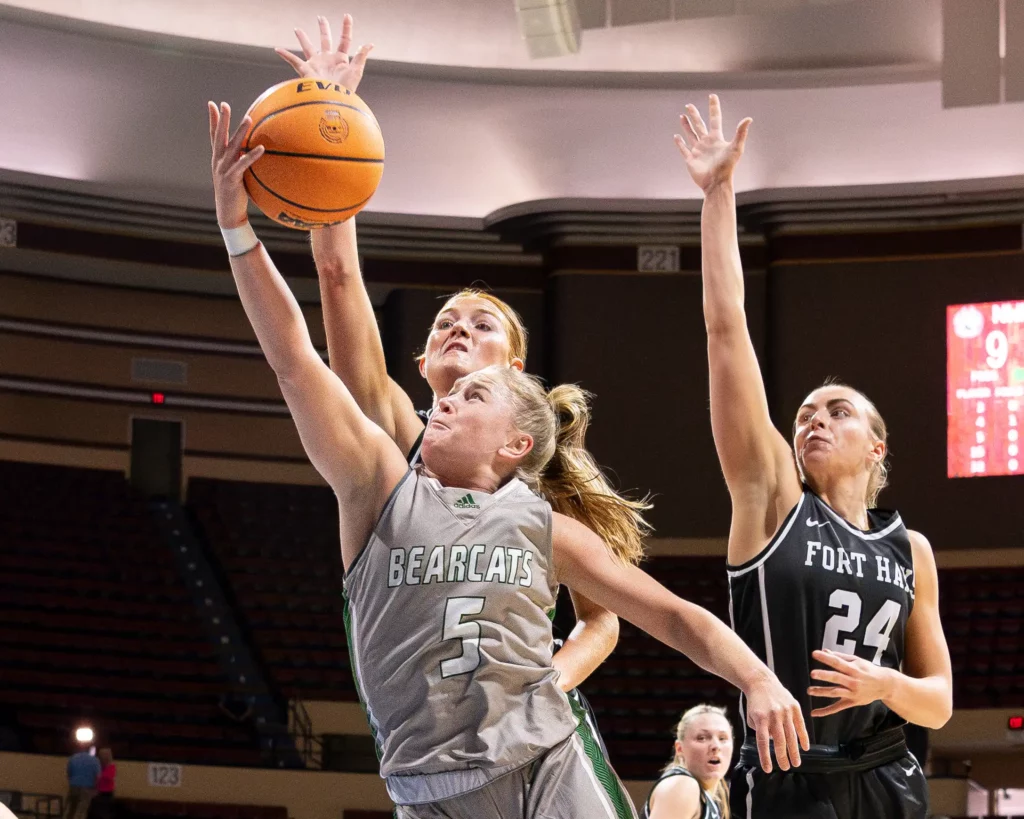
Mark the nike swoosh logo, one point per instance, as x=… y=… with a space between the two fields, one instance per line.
x=909 y=771
x=813 y=522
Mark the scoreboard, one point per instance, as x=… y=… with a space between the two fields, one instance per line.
x=984 y=389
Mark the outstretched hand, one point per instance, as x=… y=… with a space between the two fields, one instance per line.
x=328 y=62
x=710 y=159
x=776 y=718
x=228 y=164
x=851 y=681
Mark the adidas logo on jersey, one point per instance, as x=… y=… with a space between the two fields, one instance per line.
x=466 y=502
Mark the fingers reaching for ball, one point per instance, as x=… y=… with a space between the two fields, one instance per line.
x=228 y=163
x=326 y=61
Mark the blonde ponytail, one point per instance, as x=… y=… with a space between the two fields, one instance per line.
x=721 y=797
x=574 y=484
x=560 y=469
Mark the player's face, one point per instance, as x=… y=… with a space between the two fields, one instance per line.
x=706 y=748
x=467 y=335
x=473 y=425
x=832 y=434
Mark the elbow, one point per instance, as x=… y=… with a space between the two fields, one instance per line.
x=936 y=721
x=286 y=378
x=334 y=270
x=724 y=324
x=718 y=328
x=290 y=356
x=610 y=631
x=288 y=369
x=942 y=715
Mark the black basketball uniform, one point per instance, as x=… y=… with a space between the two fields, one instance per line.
x=708 y=806
x=582 y=708
x=823 y=583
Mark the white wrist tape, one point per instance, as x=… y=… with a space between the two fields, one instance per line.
x=239 y=240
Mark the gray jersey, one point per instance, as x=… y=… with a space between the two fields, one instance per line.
x=447 y=616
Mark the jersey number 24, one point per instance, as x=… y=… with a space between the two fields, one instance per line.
x=876 y=634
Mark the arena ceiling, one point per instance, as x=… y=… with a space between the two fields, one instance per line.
x=107 y=98
x=829 y=36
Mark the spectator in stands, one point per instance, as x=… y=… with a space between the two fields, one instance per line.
x=691 y=786
x=83 y=771
x=103 y=805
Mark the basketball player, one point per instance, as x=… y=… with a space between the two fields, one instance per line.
x=691 y=785
x=473 y=330
x=823 y=586
x=452 y=566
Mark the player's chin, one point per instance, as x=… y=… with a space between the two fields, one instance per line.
x=816 y=451
x=434 y=437
x=715 y=768
x=454 y=365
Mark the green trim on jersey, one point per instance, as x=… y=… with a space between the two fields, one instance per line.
x=620 y=800
x=347 y=619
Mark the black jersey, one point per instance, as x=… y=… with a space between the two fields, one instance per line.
x=708 y=806
x=823 y=583
x=414 y=453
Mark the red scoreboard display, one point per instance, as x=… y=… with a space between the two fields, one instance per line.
x=984 y=388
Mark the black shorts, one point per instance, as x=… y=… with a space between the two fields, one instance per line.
x=896 y=790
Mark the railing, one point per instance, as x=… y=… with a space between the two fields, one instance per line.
x=309 y=745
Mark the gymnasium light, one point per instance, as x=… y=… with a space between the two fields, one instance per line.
x=84 y=734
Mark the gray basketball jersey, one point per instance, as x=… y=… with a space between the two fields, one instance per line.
x=447 y=616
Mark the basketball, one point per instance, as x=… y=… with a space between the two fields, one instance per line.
x=324 y=153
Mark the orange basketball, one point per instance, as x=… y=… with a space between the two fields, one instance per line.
x=324 y=153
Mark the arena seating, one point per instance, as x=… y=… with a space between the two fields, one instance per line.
x=97 y=626
x=278 y=547
x=982 y=612
x=279 y=550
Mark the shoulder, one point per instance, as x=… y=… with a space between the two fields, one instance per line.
x=926 y=573
x=921 y=549
x=568 y=532
x=680 y=791
x=574 y=546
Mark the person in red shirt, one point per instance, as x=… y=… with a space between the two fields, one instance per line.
x=102 y=806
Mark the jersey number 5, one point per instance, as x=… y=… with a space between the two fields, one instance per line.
x=877 y=632
x=455 y=608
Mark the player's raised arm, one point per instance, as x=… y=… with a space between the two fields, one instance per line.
x=350 y=451
x=354 y=347
x=584 y=562
x=751 y=450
